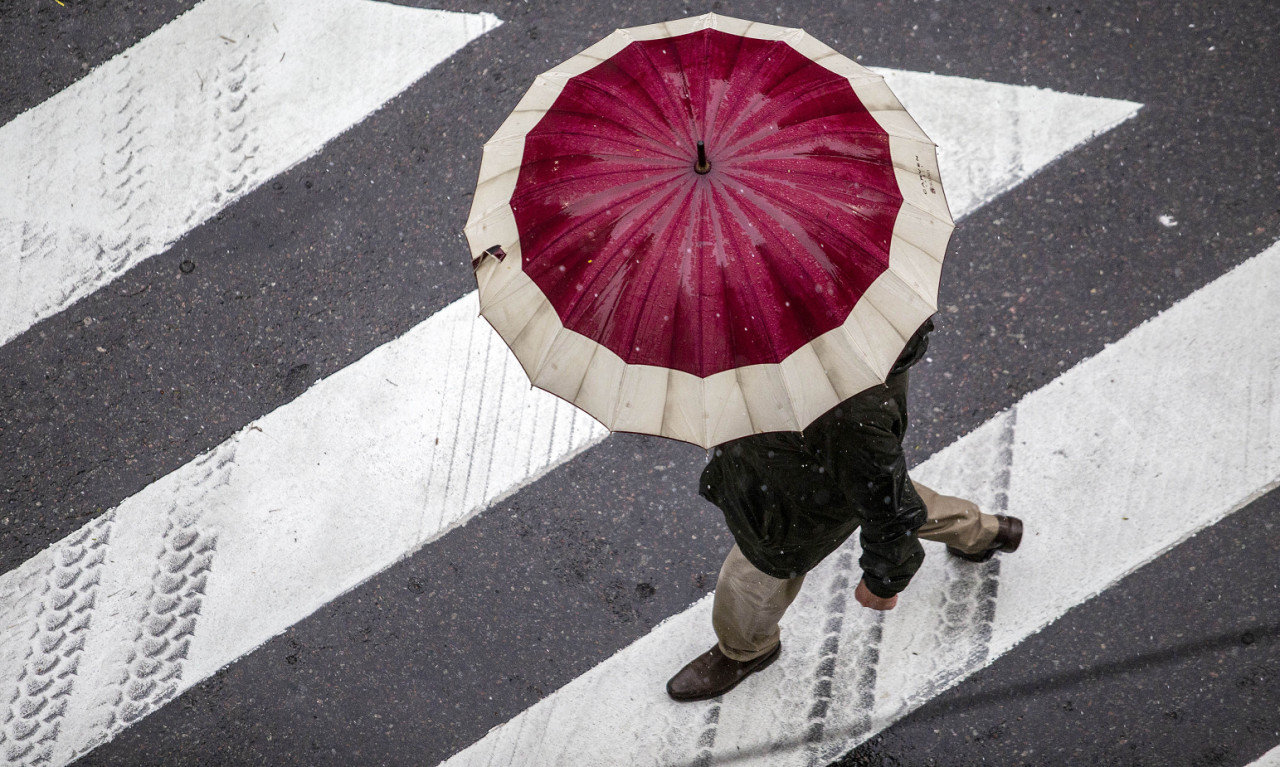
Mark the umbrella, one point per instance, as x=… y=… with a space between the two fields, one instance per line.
x=708 y=228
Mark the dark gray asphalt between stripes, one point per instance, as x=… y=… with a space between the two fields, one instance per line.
x=440 y=646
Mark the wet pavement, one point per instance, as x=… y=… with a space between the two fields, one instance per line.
x=349 y=249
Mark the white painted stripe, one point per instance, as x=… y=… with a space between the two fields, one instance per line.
x=1119 y=459
x=983 y=151
x=209 y=562
x=118 y=166
x=1269 y=759
x=297 y=508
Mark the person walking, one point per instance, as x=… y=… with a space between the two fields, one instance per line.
x=791 y=498
x=721 y=231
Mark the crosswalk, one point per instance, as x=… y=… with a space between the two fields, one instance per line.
x=155 y=142
x=106 y=626
x=846 y=676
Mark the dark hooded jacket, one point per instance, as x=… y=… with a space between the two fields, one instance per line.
x=791 y=498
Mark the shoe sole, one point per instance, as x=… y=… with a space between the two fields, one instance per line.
x=980 y=556
x=765 y=662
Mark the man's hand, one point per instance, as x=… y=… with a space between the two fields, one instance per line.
x=867 y=599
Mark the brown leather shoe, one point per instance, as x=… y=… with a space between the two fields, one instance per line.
x=712 y=674
x=1007 y=539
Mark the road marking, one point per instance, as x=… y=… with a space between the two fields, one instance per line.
x=291 y=512
x=1119 y=459
x=117 y=167
x=322 y=494
x=1269 y=759
x=993 y=136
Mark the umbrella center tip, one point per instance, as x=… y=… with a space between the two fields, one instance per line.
x=703 y=166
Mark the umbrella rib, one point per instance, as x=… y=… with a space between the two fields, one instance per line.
x=670 y=172
x=800 y=179
x=930 y=214
x=777 y=85
x=649 y=166
x=581 y=221
x=653 y=278
x=837 y=83
x=770 y=265
x=541 y=189
x=784 y=140
x=649 y=144
x=917 y=246
x=525 y=326
x=546 y=358
x=833 y=232
x=688 y=89
x=556 y=132
x=772 y=341
x=737 y=377
x=639 y=227
x=724 y=101
x=871 y=304
x=854 y=359
x=823 y=178
x=635 y=191
x=676 y=337
x=622 y=98
x=644 y=53
x=596 y=346
x=735 y=114
x=791 y=395
x=817 y=192
x=836 y=234
x=602 y=271
x=755 y=302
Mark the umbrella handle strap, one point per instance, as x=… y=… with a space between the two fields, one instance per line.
x=495 y=252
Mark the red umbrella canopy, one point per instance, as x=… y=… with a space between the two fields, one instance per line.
x=708 y=228
x=743 y=264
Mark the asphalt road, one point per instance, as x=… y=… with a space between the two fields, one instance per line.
x=1177 y=664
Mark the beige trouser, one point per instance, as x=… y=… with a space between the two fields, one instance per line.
x=749 y=603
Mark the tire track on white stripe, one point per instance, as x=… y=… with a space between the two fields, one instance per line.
x=228 y=95
x=863 y=644
x=354 y=501
x=966 y=598
x=126 y=173
x=146 y=653
x=60 y=597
